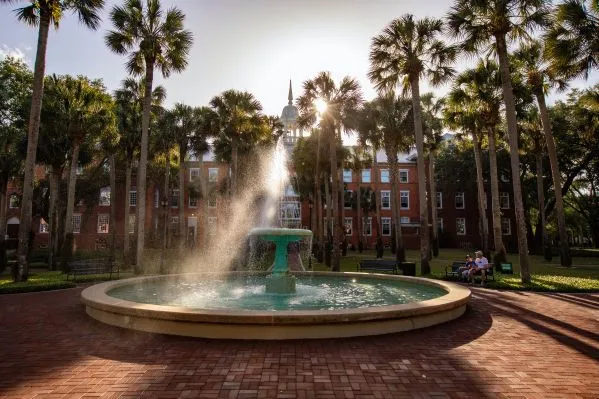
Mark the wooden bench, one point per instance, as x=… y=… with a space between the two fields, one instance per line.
x=453 y=269
x=81 y=267
x=378 y=265
x=490 y=274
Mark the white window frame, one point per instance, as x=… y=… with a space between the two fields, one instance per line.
x=16 y=203
x=388 y=192
x=407 y=172
x=174 y=221
x=76 y=225
x=367 y=226
x=131 y=223
x=461 y=195
x=79 y=170
x=212 y=225
x=212 y=175
x=194 y=172
x=385 y=172
x=504 y=196
x=457 y=230
x=193 y=198
x=384 y=221
x=439 y=200
x=44 y=226
x=347 y=175
x=212 y=201
x=404 y=194
x=404 y=219
x=507 y=232
x=105 y=196
x=348 y=221
x=174 y=195
x=103 y=219
x=132 y=197
x=440 y=224
x=366 y=173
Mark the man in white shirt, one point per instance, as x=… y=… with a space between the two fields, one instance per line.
x=482 y=265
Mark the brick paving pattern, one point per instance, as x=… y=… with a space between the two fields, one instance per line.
x=508 y=344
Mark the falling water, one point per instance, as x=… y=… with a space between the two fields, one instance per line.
x=276 y=181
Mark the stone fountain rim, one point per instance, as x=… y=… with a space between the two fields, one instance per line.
x=97 y=301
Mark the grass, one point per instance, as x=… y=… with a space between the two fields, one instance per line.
x=583 y=276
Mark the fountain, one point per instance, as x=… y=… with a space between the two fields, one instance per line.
x=282 y=302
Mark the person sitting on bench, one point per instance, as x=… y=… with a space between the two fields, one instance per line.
x=464 y=271
x=481 y=267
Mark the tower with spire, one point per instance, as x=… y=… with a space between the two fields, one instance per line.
x=289 y=120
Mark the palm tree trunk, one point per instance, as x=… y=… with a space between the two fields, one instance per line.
x=317 y=190
x=140 y=219
x=71 y=190
x=3 y=205
x=566 y=258
x=335 y=259
x=234 y=160
x=541 y=196
x=21 y=272
x=482 y=214
x=377 y=202
x=53 y=228
x=182 y=224
x=112 y=177
x=341 y=207
x=128 y=168
x=165 y=200
x=205 y=198
x=500 y=255
x=329 y=200
x=424 y=231
x=359 y=212
x=319 y=222
x=512 y=128
x=433 y=201
x=395 y=207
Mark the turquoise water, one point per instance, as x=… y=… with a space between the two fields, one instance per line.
x=312 y=293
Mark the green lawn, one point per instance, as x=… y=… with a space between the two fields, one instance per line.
x=40 y=280
x=583 y=276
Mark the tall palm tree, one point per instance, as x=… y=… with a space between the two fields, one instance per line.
x=342 y=101
x=571 y=42
x=484 y=24
x=359 y=159
x=42 y=13
x=406 y=51
x=153 y=39
x=433 y=130
x=129 y=109
x=530 y=61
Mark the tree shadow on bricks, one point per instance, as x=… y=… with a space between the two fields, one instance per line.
x=584 y=300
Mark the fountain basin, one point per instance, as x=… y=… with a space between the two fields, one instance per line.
x=278 y=324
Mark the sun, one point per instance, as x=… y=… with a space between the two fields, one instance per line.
x=320 y=105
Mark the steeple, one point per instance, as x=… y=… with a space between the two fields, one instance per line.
x=290 y=97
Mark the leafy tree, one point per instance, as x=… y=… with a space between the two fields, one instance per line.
x=42 y=13
x=484 y=24
x=152 y=39
x=406 y=51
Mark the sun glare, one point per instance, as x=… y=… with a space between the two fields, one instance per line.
x=321 y=105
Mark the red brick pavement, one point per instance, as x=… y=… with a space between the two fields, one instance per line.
x=519 y=345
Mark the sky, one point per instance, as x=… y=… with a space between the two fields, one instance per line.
x=253 y=45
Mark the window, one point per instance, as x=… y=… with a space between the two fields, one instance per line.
x=367 y=226
x=175 y=222
x=404 y=199
x=506 y=227
x=460 y=226
x=385 y=176
x=103 y=222
x=194 y=173
x=193 y=200
x=504 y=200
x=156 y=198
x=104 y=197
x=79 y=170
x=347 y=200
x=14 y=201
x=175 y=198
x=211 y=225
x=439 y=200
x=131 y=224
x=404 y=219
x=403 y=175
x=348 y=226
x=386 y=226
x=44 y=228
x=386 y=199
x=347 y=175
x=76 y=223
x=133 y=198
x=212 y=201
x=440 y=227
x=365 y=175
x=106 y=167
x=212 y=175
x=459 y=201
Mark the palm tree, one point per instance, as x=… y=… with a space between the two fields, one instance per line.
x=572 y=43
x=529 y=59
x=359 y=158
x=484 y=23
x=129 y=110
x=433 y=129
x=153 y=40
x=342 y=101
x=404 y=52
x=42 y=13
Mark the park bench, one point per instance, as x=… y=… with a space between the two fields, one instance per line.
x=453 y=271
x=378 y=265
x=79 y=267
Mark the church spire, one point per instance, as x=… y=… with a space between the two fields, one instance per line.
x=290 y=97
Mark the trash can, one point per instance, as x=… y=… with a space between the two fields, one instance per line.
x=408 y=268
